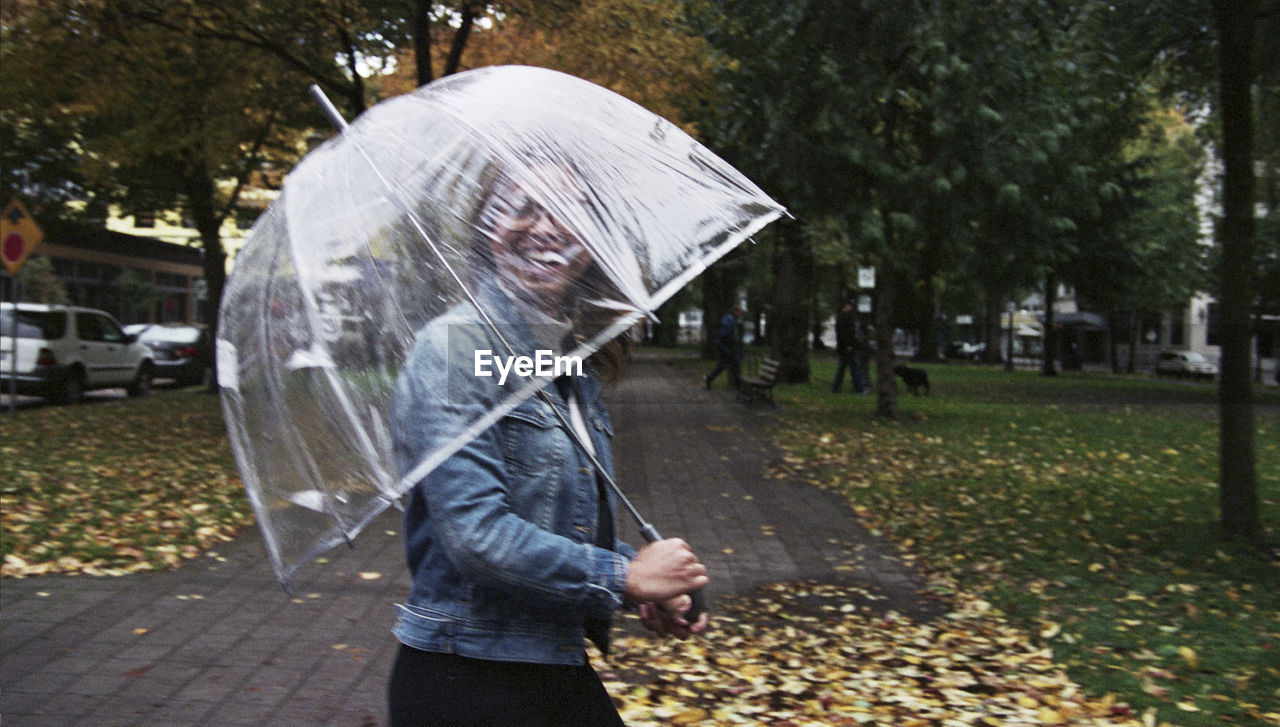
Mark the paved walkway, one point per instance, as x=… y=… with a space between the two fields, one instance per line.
x=217 y=642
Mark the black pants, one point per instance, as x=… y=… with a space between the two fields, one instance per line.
x=446 y=690
x=848 y=361
x=729 y=361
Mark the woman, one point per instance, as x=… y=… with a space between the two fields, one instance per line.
x=510 y=538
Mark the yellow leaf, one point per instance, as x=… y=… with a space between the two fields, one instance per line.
x=1189 y=655
x=690 y=716
x=1049 y=716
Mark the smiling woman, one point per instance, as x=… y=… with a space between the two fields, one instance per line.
x=513 y=566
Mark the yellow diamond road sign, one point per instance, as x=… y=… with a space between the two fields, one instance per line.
x=19 y=235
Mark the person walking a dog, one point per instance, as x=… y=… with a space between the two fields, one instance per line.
x=728 y=342
x=847 y=349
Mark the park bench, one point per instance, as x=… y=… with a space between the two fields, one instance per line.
x=758 y=387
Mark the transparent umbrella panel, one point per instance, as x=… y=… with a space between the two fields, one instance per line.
x=423 y=207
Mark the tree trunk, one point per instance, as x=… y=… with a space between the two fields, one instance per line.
x=355 y=87
x=929 y=329
x=991 y=326
x=200 y=193
x=1134 y=340
x=1113 y=352
x=454 y=61
x=666 y=332
x=422 y=40
x=1048 y=367
x=717 y=298
x=1013 y=330
x=789 y=321
x=886 y=386
x=1237 y=488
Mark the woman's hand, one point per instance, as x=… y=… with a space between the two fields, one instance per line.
x=667 y=619
x=663 y=570
x=659 y=578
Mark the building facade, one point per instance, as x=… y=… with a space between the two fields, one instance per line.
x=136 y=279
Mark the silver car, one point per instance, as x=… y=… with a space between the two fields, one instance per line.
x=1185 y=364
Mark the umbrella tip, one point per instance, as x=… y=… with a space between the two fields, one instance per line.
x=326 y=106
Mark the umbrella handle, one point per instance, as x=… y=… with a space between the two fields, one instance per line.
x=698 y=605
x=698 y=598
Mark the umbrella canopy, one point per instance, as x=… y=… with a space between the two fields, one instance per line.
x=387 y=228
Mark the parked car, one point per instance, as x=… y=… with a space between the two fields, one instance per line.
x=63 y=351
x=964 y=349
x=181 y=351
x=1185 y=363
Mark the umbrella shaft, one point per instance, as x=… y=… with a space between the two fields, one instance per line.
x=647 y=531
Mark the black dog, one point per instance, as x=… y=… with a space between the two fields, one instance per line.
x=914 y=378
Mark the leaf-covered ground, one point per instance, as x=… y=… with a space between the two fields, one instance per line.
x=116 y=487
x=1084 y=508
x=805 y=654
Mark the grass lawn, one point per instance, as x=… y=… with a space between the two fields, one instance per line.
x=1083 y=508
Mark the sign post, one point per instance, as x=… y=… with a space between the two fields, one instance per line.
x=19 y=235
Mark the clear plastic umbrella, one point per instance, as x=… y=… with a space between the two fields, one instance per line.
x=384 y=234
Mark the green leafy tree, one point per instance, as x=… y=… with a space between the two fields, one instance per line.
x=136 y=294
x=1218 y=56
x=38 y=284
x=157 y=118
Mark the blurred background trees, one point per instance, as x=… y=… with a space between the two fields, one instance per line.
x=972 y=152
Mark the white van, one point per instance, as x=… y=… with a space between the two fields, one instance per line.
x=63 y=351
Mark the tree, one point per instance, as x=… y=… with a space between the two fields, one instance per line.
x=1144 y=251
x=38 y=283
x=1216 y=57
x=1237 y=22
x=136 y=293
x=157 y=117
x=640 y=50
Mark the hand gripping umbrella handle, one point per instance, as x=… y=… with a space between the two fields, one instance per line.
x=646 y=528
x=650 y=534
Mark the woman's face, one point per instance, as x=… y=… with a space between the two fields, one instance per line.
x=530 y=247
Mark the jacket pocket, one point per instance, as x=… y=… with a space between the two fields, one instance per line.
x=529 y=439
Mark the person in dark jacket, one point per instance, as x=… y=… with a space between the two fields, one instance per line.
x=728 y=344
x=847 y=349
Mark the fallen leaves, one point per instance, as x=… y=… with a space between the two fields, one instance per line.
x=1091 y=527
x=117 y=487
x=779 y=659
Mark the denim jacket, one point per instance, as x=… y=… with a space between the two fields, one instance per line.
x=500 y=535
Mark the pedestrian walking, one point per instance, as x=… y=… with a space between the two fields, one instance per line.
x=728 y=343
x=847 y=349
